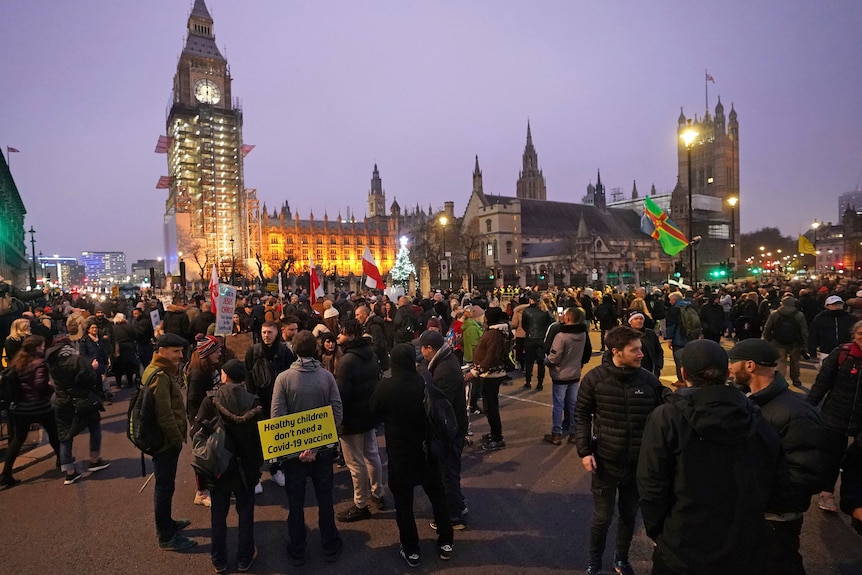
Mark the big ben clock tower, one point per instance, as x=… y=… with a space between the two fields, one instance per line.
x=204 y=209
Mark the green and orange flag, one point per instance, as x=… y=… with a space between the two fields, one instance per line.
x=656 y=223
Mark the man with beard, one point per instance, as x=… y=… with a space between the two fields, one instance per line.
x=613 y=403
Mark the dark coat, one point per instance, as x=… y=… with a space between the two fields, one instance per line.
x=613 y=403
x=445 y=371
x=357 y=374
x=806 y=442
x=398 y=403
x=404 y=324
x=828 y=330
x=838 y=387
x=199 y=382
x=176 y=321
x=535 y=323
x=201 y=323
x=712 y=321
x=278 y=358
x=36 y=390
x=653 y=360
x=373 y=327
x=73 y=378
x=706 y=474
x=240 y=412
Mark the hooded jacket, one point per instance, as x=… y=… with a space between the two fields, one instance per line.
x=570 y=351
x=399 y=403
x=673 y=326
x=176 y=321
x=239 y=411
x=357 y=374
x=73 y=377
x=445 y=372
x=787 y=308
x=488 y=354
x=170 y=409
x=707 y=470
x=613 y=404
x=306 y=385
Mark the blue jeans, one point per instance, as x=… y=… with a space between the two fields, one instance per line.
x=565 y=394
x=320 y=472
x=67 y=462
x=165 y=473
x=218 y=518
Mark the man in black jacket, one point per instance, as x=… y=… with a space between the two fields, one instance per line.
x=263 y=362
x=398 y=402
x=535 y=323
x=372 y=326
x=613 y=403
x=357 y=374
x=806 y=447
x=404 y=323
x=708 y=468
x=444 y=370
x=829 y=329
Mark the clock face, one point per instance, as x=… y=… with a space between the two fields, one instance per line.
x=207 y=91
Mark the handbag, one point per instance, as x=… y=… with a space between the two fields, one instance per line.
x=89 y=404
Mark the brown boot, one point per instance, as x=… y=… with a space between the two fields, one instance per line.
x=554 y=438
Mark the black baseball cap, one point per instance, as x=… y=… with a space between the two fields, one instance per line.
x=759 y=351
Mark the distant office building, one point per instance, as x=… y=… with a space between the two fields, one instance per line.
x=64 y=272
x=852 y=200
x=104 y=265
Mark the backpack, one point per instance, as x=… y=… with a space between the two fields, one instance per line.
x=211 y=456
x=261 y=369
x=508 y=357
x=10 y=387
x=785 y=329
x=442 y=424
x=690 y=321
x=143 y=428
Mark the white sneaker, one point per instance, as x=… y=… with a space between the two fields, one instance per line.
x=278 y=478
x=258 y=489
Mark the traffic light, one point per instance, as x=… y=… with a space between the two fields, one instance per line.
x=677 y=269
x=490 y=273
x=717 y=273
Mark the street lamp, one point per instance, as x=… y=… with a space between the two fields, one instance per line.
x=32 y=233
x=443 y=221
x=688 y=136
x=732 y=200
x=814 y=225
x=232 y=276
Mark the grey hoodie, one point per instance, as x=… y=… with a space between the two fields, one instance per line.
x=306 y=385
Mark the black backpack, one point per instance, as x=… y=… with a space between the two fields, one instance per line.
x=440 y=416
x=212 y=453
x=143 y=428
x=10 y=387
x=785 y=330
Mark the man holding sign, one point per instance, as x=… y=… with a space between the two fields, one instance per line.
x=306 y=386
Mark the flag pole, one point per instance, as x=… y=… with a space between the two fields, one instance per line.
x=706 y=87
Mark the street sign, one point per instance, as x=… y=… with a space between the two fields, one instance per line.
x=444 y=270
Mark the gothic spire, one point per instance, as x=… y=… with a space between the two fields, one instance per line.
x=529 y=135
x=200 y=10
x=476 y=170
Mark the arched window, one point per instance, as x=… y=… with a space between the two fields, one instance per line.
x=508 y=247
x=488 y=225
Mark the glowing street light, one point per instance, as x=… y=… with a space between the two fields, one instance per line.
x=688 y=137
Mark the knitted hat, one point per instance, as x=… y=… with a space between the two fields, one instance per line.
x=207 y=345
x=330 y=312
x=235 y=370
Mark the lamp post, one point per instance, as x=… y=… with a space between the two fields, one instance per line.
x=814 y=225
x=688 y=136
x=732 y=200
x=32 y=233
x=443 y=221
x=232 y=276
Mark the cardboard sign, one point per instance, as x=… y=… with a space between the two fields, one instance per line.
x=292 y=434
x=155 y=319
x=272 y=287
x=225 y=308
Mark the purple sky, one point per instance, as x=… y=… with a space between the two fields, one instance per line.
x=330 y=88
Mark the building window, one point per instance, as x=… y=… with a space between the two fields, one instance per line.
x=346 y=241
x=305 y=240
x=290 y=240
x=332 y=255
x=273 y=240
x=488 y=226
x=371 y=241
x=709 y=179
x=719 y=231
x=305 y=255
x=319 y=241
x=489 y=250
x=332 y=241
x=508 y=247
x=319 y=255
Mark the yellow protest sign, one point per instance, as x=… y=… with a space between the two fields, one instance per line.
x=272 y=287
x=292 y=434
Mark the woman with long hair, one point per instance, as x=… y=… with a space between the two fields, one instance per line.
x=32 y=404
x=329 y=351
x=204 y=375
x=19 y=331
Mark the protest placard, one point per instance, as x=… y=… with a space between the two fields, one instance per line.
x=290 y=435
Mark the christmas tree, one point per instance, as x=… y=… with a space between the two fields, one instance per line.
x=403 y=267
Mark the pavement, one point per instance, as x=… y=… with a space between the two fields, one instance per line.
x=530 y=507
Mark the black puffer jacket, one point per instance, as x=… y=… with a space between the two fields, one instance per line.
x=805 y=441
x=708 y=469
x=613 y=404
x=357 y=374
x=839 y=387
x=828 y=330
x=445 y=371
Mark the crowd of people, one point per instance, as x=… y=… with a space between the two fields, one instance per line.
x=762 y=450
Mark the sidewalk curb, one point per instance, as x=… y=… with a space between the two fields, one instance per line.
x=33 y=456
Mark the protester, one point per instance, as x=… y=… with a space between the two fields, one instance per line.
x=570 y=350
x=489 y=371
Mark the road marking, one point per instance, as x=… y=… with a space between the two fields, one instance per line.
x=516 y=398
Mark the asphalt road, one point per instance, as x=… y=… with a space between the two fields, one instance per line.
x=529 y=503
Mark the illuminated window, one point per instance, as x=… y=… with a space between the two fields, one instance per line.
x=719 y=231
x=489 y=250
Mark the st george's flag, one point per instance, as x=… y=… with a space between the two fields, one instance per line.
x=806 y=247
x=656 y=223
x=373 y=279
x=214 y=290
